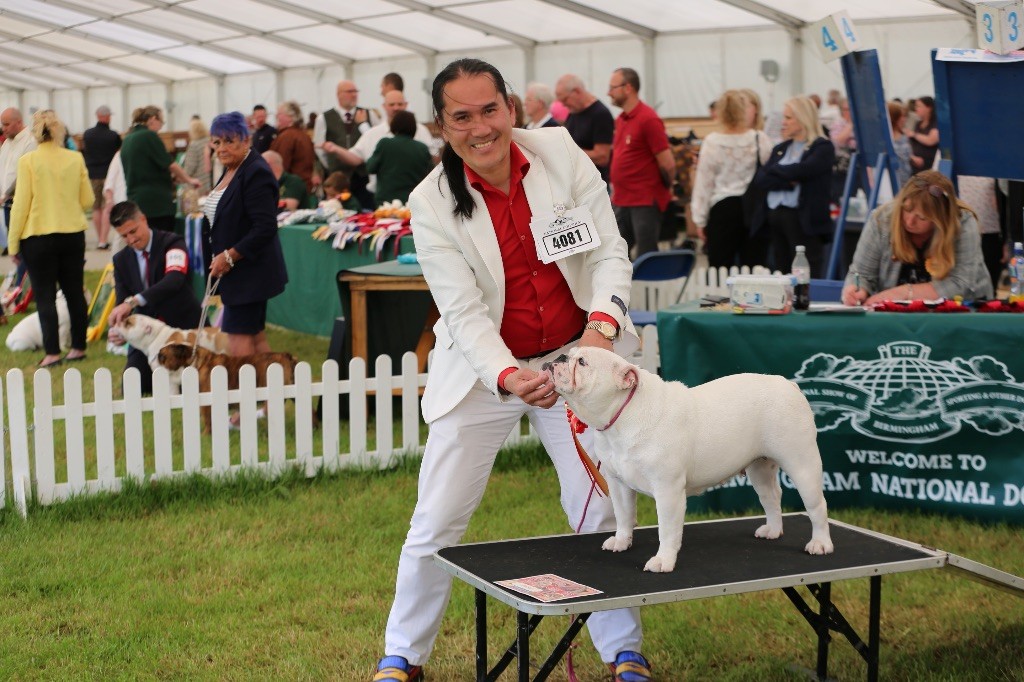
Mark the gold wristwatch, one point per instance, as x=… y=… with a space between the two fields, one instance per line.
x=605 y=329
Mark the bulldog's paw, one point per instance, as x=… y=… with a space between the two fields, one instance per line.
x=617 y=544
x=768 y=533
x=657 y=564
x=816 y=546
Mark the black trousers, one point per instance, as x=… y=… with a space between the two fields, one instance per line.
x=786 y=234
x=58 y=259
x=640 y=226
x=728 y=241
x=139 y=360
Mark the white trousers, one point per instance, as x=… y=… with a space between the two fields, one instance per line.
x=457 y=462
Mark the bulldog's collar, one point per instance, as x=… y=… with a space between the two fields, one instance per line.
x=621 y=408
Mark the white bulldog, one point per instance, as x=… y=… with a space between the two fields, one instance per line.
x=28 y=333
x=668 y=441
x=149 y=335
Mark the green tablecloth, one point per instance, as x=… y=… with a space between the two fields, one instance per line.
x=913 y=410
x=310 y=302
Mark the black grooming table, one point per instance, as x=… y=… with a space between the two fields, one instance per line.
x=717 y=558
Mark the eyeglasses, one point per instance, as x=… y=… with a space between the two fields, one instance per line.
x=934 y=190
x=620 y=85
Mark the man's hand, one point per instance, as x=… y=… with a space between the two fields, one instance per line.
x=329 y=147
x=361 y=116
x=118 y=314
x=533 y=388
x=592 y=338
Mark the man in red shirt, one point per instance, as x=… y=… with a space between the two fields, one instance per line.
x=510 y=299
x=643 y=167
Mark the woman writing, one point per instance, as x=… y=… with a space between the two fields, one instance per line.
x=148 y=169
x=724 y=169
x=922 y=245
x=47 y=231
x=924 y=136
x=797 y=177
x=240 y=226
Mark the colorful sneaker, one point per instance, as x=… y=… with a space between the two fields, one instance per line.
x=397 y=669
x=630 y=666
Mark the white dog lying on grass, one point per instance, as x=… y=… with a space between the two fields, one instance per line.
x=28 y=333
x=669 y=441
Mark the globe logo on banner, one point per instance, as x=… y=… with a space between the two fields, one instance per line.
x=904 y=396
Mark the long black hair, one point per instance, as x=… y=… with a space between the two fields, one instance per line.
x=454 y=169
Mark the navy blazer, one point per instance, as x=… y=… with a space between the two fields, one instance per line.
x=814 y=173
x=169 y=296
x=246 y=220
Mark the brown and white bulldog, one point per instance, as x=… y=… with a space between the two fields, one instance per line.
x=668 y=441
x=177 y=356
x=149 y=335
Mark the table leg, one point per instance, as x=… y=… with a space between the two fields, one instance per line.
x=523 y=646
x=359 y=343
x=481 y=635
x=874 y=637
x=822 y=627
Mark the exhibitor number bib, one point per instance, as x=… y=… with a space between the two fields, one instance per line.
x=565 y=233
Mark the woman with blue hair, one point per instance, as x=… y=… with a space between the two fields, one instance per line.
x=240 y=232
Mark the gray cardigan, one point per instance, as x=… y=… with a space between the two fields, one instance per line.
x=878 y=270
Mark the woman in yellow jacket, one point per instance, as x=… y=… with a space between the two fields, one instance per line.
x=47 y=231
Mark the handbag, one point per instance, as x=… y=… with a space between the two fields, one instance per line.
x=753 y=198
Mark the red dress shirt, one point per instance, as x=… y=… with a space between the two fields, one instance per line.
x=540 y=314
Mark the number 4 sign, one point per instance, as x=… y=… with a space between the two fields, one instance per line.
x=1000 y=26
x=835 y=36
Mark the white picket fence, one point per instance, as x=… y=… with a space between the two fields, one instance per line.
x=146 y=438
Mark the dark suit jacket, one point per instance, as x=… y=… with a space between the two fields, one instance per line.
x=246 y=220
x=814 y=173
x=168 y=295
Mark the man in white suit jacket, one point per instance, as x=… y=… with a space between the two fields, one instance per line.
x=478 y=387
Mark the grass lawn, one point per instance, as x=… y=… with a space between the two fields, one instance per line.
x=252 y=579
x=293 y=580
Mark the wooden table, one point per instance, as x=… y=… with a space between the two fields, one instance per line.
x=386 y=277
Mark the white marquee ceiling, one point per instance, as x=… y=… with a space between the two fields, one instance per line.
x=55 y=44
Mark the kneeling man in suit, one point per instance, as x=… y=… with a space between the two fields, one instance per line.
x=151 y=277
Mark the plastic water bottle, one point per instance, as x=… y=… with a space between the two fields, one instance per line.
x=801 y=269
x=1017 y=271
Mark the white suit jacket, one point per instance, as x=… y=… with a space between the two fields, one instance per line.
x=462 y=264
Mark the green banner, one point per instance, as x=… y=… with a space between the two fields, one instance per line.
x=918 y=411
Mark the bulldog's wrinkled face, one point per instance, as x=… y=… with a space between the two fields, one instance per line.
x=593 y=381
x=175 y=356
x=136 y=329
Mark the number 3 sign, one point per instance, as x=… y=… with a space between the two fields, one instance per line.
x=1000 y=26
x=835 y=36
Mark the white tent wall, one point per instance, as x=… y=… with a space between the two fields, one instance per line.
x=904 y=51
x=593 y=62
x=243 y=92
x=368 y=75
x=692 y=69
x=187 y=98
